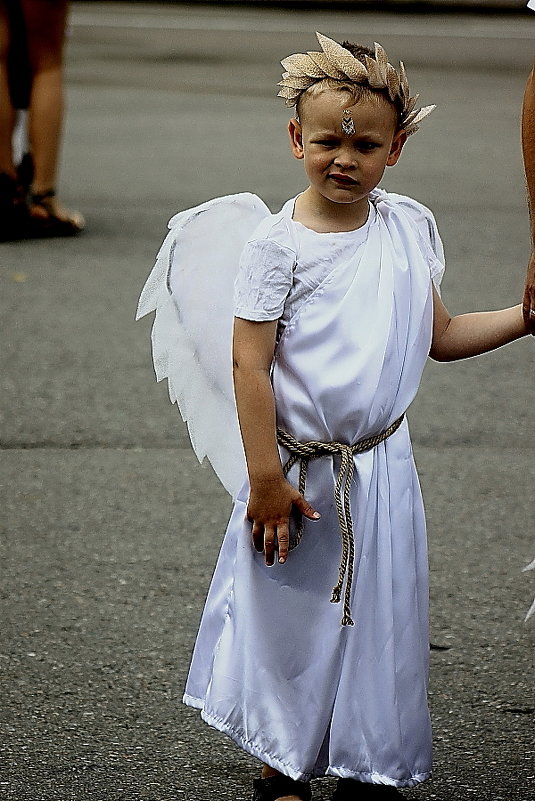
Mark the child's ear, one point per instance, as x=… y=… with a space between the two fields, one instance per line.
x=296 y=138
x=397 y=146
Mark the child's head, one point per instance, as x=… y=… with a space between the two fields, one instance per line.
x=353 y=115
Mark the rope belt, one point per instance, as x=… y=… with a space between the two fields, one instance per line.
x=303 y=452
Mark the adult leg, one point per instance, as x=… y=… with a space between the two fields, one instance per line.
x=7 y=112
x=14 y=216
x=528 y=149
x=45 y=29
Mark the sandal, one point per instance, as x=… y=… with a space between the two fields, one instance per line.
x=50 y=224
x=351 y=790
x=275 y=787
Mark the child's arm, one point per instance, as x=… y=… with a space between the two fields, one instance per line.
x=528 y=149
x=271 y=495
x=471 y=334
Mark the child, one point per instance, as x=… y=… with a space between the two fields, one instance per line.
x=336 y=310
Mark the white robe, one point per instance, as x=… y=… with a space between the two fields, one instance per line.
x=272 y=666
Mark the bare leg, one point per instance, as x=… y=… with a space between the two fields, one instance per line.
x=45 y=28
x=7 y=112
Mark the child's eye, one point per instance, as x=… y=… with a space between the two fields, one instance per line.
x=326 y=142
x=367 y=146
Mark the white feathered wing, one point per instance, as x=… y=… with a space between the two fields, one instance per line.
x=191 y=290
x=531 y=610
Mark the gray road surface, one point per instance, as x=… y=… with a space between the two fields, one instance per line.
x=110 y=529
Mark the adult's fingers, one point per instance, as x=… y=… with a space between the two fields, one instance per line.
x=528 y=307
x=528 y=304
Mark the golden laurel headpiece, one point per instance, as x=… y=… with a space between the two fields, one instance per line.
x=302 y=70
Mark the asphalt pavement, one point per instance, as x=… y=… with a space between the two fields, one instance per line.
x=110 y=528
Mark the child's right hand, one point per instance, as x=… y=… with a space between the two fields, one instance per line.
x=269 y=508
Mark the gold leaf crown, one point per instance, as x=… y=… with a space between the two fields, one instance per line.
x=302 y=70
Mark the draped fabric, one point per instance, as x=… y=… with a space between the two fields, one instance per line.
x=272 y=666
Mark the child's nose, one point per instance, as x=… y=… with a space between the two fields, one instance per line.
x=345 y=157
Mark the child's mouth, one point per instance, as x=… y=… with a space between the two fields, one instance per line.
x=345 y=180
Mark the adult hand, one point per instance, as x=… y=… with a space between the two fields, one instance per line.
x=269 y=508
x=528 y=305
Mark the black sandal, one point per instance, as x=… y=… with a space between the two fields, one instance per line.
x=275 y=787
x=351 y=790
x=51 y=225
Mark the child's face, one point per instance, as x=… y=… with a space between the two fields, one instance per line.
x=345 y=168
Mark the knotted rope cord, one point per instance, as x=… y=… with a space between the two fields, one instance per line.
x=303 y=452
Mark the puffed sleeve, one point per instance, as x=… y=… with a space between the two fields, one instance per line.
x=437 y=261
x=429 y=235
x=264 y=279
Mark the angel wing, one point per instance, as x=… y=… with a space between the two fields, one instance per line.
x=531 y=610
x=191 y=290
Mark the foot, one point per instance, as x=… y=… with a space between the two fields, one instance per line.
x=351 y=790
x=276 y=787
x=289 y=798
x=52 y=217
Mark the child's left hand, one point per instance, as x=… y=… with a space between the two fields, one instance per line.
x=269 y=508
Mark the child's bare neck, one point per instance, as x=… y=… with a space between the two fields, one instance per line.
x=325 y=217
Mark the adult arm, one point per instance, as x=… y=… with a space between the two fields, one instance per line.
x=471 y=334
x=271 y=496
x=528 y=150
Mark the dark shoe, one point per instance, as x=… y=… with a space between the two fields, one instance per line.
x=351 y=790
x=275 y=787
x=25 y=172
x=14 y=213
x=48 y=224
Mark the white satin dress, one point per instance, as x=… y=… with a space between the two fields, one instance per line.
x=272 y=666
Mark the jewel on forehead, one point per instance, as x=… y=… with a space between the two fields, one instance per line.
x=348 y=126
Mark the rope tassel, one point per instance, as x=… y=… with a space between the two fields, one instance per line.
x=303 y=452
